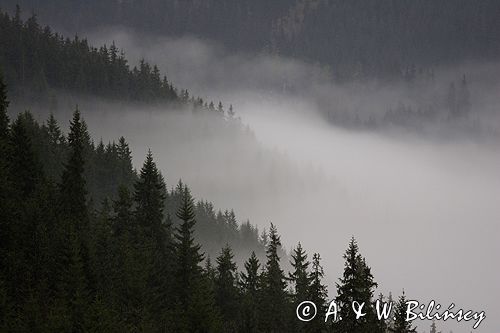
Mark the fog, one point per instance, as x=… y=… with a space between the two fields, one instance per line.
x=425 y=211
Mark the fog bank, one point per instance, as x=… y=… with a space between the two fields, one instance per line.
x=425 y=212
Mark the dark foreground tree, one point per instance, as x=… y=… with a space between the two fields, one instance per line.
x=318 y=294
x=356 y=285
x=226 y=291
x=193 y=299
x=275 y=307
x=401 y=325
x=250 y=284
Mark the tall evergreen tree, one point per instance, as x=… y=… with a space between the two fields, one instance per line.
x=72 y=233
x=226 y=291
x=274 y=303
x=56 y=149
x=401 y=325
x=126 y=169
x=299 y=276
x=25 y=167
x=149 y=198
x=187 y=253
x=55 y=134
x=153 y=241
x=318 y=294
x=384 y=323
x=250 y=283
x=357 y=285
x=73 y=192
x=194 y=300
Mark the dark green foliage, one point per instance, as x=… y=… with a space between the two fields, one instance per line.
x=274 y=309
x=149 y=198
x=318 y=294
x=250 y=284
x=401 y=325
x=38 y=59
x=226 y=290
x=39 y=64
x=357 y=285
x=26 y=170
x=299 y=276
x=193 y=298
x=73 y=203
x=354 y=38
x=71 y=266
x=188 y=253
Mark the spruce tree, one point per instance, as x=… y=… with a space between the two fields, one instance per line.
x=149 y=198
x=27 y=172
x=26 y=175
x=187 y=253
x=299 y=276
x=389 y=323
x=54 y=155
x=383 y=323
x=357 y=285
x=250 y=284
x=55 y=134
x=318 y=294
x=250 y=279
x=126 y=170
x=72 y=262
x=194 y=301
x=73 y=192
x=21 y=177
x=226 y=292
x=193 y=291
x=274 y=304
x=401 y=325
x=153 y=241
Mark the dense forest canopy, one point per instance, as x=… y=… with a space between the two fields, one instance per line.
x=36 y=59
x=90 y=243
x=136 y=262
x=38 y=64
x=355 y=38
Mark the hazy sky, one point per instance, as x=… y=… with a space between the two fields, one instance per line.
x=425 y=212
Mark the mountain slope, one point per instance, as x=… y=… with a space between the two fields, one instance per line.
x=355 y=38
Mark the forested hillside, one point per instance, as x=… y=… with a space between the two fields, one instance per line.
x=35 y=59
x=364 y=39
x=108 y=168
x=355 y=38
x=128 y=204
x=129 y=265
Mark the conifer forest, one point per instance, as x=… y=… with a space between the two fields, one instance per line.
x=249 y=166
